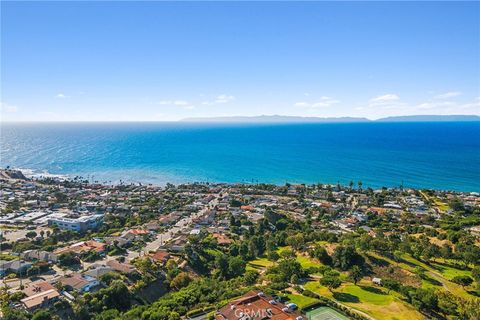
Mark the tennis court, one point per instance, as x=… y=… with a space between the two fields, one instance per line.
x=325 y=313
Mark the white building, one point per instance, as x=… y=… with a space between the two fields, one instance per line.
x=79 y=224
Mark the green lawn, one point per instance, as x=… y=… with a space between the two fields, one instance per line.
x=451 y=272
x=307 y=262
x=300 y=300
x=260 y=263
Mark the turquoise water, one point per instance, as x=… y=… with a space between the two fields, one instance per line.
x=423 y=155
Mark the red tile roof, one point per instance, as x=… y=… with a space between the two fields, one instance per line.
x=257 y=306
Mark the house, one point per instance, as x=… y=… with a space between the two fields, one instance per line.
x=160 y=257
x=152 y=226
x=83 y=246
x=377 y=281
x=79 y=282
x=97 y=271
x=37 y=287
x=124 y=268
x=178 y=244
x=257 y=305
x=40 y=300
x=134 y=234
x=16 y=266
x=222 y=239
x=117 y=241
x=39 y=255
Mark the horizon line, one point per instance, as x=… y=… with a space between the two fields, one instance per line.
x=217 y=119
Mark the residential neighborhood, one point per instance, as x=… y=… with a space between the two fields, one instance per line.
x=65 y=241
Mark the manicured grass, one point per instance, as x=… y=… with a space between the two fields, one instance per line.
x=451 y=272
x=368 y=294
x=368 y=299
x=307 y=262
x=260 y=263
x=300 y=300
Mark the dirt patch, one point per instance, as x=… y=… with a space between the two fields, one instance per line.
x=393 y=272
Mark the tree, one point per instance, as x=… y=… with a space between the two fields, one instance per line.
x=31 y=234
x=111 y=314
x=457 y=205
x=68 y=259
x=180 y=281
x=294 y=279
x=462 y=280
x=42 y=315
x=322 y=255
x=296 y=242
x=236 y=266
x=13 y=314
x=221 y=263
x=346 y=256
x=391 y=284
x=61 y=197
x=116 y=296
x=331 y=280
x=356 y=274
x=476 y=273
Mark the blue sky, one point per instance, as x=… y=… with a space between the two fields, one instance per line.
x=116 y=61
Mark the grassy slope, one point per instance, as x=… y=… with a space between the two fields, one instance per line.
x=371 y=300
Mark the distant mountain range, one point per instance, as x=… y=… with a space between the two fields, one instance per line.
x=294 y=119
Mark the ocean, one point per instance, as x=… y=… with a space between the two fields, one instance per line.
x=440 y=155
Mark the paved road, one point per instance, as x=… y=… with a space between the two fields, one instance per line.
x=164 y=237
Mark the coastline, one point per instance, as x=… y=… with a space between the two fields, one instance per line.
x=42 y=174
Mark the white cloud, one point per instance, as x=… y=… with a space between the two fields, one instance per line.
x=174 y=102
x=384 y=99
x=180 y=103
x=61 y=96
x=302 y=104
x=323 y=102
x=4 y=107
x=448 y=95
x=223 y=98
x=177 y=103
x=435 y=104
